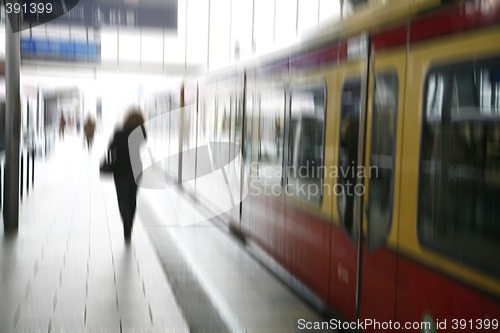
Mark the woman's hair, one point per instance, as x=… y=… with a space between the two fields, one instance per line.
x=133 y=119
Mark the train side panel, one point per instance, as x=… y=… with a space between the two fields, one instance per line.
x=440 y=272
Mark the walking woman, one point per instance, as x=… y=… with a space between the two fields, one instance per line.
x=125 y=154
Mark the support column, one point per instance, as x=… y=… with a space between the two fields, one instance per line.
x=13 y=127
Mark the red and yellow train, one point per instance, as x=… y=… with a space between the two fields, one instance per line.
x=372 y=161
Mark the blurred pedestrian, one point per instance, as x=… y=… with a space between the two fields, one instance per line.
x=89 y=129
x=124 y=153
x=62 y=125
x=78 y=125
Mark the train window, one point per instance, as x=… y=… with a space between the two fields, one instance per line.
x=381 y=189
x=306 y=144
x=350 y=113
x=270 y=150
x=222 y=127
x=459 y=190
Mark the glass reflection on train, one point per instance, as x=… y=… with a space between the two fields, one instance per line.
x=305 y=155
x=460 y=168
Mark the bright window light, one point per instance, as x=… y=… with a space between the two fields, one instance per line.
x=129 y=45
x=329 y=9
x=220 y=30
x=264 y=26
x=109 y=44
x=241 y=39
x=152 y=46
x=286 y=23
x=197 y=32
x=308 y=15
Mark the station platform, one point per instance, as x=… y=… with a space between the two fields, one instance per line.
x=69 y=268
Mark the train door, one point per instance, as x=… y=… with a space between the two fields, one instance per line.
x=236 y=87
x=250 y=133
x=350 y=115
x=308 y=206
x=266 y=184
x=381 y=183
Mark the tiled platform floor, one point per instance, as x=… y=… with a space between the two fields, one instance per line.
x=68 y=269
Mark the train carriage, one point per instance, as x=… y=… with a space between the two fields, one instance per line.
x=372 y=163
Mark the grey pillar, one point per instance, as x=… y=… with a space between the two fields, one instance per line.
x=13 y=128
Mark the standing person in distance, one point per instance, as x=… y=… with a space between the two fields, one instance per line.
x=88 y=130
x=123 y=152
x=62 y=125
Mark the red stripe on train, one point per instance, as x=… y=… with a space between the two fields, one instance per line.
x=461 y=18
x=389 y=38
x=322 y=257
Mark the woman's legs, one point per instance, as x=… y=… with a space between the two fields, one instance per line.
x=126 y=192
x=132 y=200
